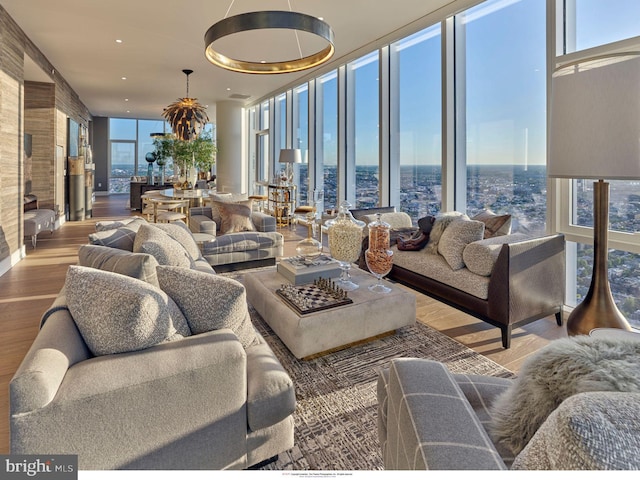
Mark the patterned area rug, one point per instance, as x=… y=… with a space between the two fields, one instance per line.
x=336 y=414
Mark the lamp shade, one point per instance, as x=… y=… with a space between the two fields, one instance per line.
x=595 y=119
x=290 y=155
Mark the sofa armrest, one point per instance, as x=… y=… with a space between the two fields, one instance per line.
x=263 y=222
x=428 y=422
x=125 y=410
x=202 y=224
x=528 y=280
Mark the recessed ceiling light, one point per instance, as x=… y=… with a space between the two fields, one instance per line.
x=228 y=89
x=124 y=78
x=128 y=111
x=126 y=99
x=118 y=41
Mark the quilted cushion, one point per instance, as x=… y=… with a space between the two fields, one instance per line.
x=117 y=314
x=456 y=237
x=136 y=265
x=158 y=243
x=494 y=225
x=209 y=302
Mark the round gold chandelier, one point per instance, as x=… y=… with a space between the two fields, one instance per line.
x=266 y=20
x=186 y=116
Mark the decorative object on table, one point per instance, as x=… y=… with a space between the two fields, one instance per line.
x=150 y=157
x=289 y=156
x=310 y=247
x=320 y=295
x=345 y=242
x=594 y=131
x=299 y=271
x=378 y=256
x=186 y=116
x=281 y=20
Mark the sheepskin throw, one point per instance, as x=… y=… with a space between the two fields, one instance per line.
x=563 y=368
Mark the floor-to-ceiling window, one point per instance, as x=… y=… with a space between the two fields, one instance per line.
x=363 y=148
x=501 y=85
x=301 y=139
x=416 y=82
x=589 y=24
x=123 y=162
x=327 y=137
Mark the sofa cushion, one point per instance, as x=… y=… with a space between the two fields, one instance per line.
x=121 y=238
x=180 y=233
x=480 y=257
x=494 y=224
x=456 y=237
x=158 y=243
x=117 y=314
x=209 y=302
x=439 y=226
x=136 y=265
x=111 y=224
x=563 y=368
x=235 y=217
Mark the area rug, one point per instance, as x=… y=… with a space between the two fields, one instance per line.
x=336 y=412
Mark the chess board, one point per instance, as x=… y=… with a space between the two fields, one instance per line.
x=309 y=298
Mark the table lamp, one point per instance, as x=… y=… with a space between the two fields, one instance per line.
x=289 y=156
x=595 y=133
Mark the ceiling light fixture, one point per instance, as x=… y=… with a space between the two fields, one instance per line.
x=186 y=116
x=268 y=20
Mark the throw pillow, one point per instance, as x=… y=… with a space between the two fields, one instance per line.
x=559 y=370
x=136 y=265
x=209 y=302
x=480 y=257
x=494 y=225
x=439 y=226
x=180 y=233
x=456 y=237
x=236 y=217
x=158 y=243
x=121 y=238
x=117 y=314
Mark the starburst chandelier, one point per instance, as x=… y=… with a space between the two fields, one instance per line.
x=186 y=116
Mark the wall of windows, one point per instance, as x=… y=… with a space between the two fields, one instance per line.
x=591 y=24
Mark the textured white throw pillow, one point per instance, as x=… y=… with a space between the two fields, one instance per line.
x=165 y=249
x=456 y=237
x=209 y=302
x=115 y=313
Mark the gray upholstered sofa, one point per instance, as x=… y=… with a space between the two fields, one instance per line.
x=430 y=418
x=110 y=379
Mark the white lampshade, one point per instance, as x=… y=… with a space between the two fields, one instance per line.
x=290 y=155
x=595 y=119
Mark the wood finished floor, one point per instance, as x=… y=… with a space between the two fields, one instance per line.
x=30 y=287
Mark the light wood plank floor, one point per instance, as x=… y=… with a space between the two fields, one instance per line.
x=30 y=287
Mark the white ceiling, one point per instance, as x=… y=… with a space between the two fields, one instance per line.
x=160 y=38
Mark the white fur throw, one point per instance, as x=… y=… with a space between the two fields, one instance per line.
x=563 y=368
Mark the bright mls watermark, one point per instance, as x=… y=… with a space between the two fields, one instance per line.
x=50 y=467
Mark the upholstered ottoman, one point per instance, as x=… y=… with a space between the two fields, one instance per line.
x=369 y=315
x=37 y=220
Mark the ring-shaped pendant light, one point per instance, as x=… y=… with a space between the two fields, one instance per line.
x=264 y=20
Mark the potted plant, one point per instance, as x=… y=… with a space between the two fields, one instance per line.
x=188 y=156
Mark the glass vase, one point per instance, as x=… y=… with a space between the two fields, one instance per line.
x=378 y=256
x=345 y=243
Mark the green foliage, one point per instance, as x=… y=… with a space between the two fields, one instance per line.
x=186 y=154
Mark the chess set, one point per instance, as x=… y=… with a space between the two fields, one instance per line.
x=320 y=295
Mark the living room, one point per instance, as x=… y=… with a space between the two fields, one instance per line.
x=397 y=85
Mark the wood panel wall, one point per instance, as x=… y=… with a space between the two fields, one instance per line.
x=15 y=108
